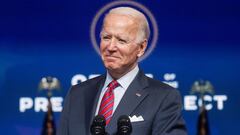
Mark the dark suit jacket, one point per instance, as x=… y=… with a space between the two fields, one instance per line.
x=159 y=105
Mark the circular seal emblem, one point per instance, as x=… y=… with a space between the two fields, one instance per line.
x=148 y=14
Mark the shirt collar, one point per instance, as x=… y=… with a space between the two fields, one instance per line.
x=125 y=80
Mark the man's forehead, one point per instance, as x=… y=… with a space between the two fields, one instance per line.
x=120 y=34
x=119 y=25
x=119 y=17
x=119 y=22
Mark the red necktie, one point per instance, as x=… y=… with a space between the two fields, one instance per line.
x=106 y=107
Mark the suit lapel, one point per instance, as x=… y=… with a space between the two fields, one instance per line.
x=131 y=99
x=91 y=100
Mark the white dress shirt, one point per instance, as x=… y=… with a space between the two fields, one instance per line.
x=124 y=82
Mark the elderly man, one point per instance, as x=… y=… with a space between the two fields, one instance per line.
x=154 y=107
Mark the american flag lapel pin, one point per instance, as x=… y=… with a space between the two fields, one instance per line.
x=138 y=94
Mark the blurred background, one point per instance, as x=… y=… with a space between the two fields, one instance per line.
x=197 y=52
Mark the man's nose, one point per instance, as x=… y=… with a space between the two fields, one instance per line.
x=112 y=45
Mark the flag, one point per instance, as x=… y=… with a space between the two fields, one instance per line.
x=202 y=126
x=48 y=123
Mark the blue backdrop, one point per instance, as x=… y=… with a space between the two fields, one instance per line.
x=39 y=38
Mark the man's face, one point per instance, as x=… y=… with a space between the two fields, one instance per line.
x=119 y=51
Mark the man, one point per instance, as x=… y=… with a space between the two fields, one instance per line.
x=154 y=107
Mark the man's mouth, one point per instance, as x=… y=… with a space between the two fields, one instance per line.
x=109 y=57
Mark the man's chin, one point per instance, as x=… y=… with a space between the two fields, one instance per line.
x=112 y=68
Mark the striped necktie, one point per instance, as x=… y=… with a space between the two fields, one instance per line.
x=106 y=107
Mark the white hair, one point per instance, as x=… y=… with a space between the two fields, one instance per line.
x=143 y=26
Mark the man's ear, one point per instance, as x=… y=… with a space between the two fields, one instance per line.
x=142 y=48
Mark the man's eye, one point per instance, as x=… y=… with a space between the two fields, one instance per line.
x=106 y=37
x=122 y=41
